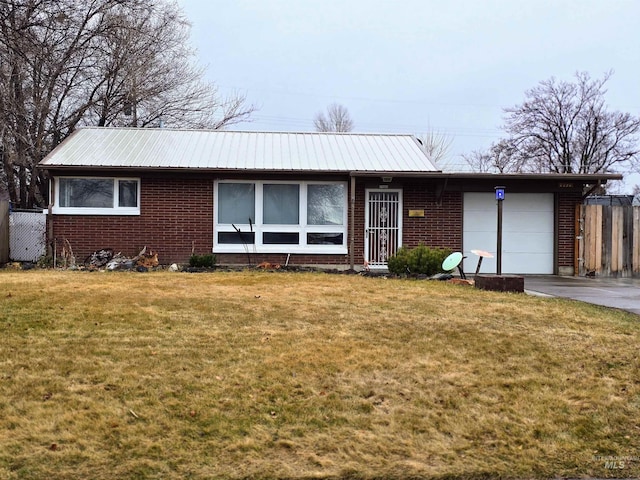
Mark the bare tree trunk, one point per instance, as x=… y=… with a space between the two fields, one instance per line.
x=65 y=63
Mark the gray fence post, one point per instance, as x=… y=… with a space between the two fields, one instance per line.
x=4 y=231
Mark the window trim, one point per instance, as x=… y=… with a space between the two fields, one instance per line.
x=115 y=210
x=302 y=228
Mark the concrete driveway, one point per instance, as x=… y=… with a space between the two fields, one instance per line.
x=623 y=293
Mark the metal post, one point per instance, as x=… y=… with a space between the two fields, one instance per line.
x=500 y=199
x=352 y=221
x=499 y=245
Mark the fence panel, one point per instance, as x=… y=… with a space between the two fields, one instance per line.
x=610 y=242
x=27 y=236
x=4 y=231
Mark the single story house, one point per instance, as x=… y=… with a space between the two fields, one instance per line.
x=332 y=199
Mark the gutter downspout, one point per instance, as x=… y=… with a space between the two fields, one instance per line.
x=50 y=239
x=352 y=221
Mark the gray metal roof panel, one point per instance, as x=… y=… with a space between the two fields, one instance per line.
x=96 y=147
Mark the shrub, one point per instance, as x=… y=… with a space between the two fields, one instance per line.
x=208 y=260
x=419 y=260
x=398 y=264
x=45 y=261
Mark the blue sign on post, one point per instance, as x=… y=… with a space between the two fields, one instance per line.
x=499 y=199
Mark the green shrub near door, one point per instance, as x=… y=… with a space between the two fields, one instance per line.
x=419 y=260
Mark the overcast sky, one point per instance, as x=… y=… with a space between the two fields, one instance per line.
x=409 y=66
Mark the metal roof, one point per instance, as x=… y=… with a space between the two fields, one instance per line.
x=142 y=148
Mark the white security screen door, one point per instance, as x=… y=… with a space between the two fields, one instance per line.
x=383 y=226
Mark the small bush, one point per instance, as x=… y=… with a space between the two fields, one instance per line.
x=45 y=261
x=398 y=264
x=208 y=260
x=419 y=260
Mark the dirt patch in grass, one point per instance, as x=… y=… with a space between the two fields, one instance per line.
x=308 y=375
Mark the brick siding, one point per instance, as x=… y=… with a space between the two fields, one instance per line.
x=176 y=219
x=441 y=225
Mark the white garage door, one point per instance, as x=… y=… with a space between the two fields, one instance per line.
x=527 y=232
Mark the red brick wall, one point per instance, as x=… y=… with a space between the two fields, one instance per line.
x=176 y=215
x=281 y=259
x=566 y=227
x=441 y=225
x=177 y=218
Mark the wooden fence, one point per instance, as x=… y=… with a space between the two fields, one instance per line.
x=608 y=243
x=4 y=231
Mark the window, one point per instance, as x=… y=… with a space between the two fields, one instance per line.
x=281 y=204
x=325 y=204
x=280 y=217
x=97 y=196
x=237 y=203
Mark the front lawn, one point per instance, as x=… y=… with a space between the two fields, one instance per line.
x=306 y=375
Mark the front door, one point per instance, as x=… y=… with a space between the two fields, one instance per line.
x=383 y=226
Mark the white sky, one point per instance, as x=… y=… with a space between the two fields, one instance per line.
x=409 y=66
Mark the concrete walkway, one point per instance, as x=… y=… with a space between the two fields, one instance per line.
x=623 y=293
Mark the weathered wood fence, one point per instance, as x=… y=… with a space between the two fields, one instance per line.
x=4 y=231
x=608 y=243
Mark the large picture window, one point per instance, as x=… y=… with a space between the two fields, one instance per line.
x=97 y=196
x=282 y=217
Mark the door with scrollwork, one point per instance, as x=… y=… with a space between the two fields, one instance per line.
x=383 y=226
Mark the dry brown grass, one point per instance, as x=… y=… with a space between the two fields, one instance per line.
x=279 y=375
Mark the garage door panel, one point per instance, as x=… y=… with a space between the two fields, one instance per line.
x=471 y=262
x=522 y=242
x=479 y=202
x=529 y=202
x=476 y=223
x=483 y=241
x=527 y=263
x=527 y=229
x=527 y=222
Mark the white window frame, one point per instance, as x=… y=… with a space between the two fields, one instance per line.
x=115 y=210
x=302 y=228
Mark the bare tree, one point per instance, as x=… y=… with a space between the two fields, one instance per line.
x=565 y=127
x=499 y=158
x=479 y=161
x=337 y=119
x=68 y=63
x=436 y=145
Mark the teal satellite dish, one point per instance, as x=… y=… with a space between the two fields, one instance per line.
x=452 y=261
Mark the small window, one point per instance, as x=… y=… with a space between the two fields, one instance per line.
x=325 y=238
x=236 y=238
x=128 y=193
x=97 y=196
x=280 y=238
